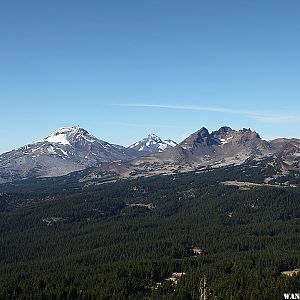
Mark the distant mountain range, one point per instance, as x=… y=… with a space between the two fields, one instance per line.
x=71 y=149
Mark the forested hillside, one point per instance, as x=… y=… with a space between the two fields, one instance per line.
x=124 y=240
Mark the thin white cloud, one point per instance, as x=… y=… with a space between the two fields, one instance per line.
x=140 y=125
x=259 y=116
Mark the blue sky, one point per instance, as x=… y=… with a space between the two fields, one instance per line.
x=123 y=69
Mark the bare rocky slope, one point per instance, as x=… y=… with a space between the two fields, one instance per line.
x=203 y=150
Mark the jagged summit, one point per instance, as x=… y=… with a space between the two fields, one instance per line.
x=152 y=144
x=223 y=130
x=153 y=137
x=203 y=131
x=224 y=144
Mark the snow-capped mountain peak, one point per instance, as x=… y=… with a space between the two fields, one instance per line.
x=152 y=144
x=153 y=138
x=67 y=136
x=65 y=150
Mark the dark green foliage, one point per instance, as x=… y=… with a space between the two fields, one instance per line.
x=75 y=243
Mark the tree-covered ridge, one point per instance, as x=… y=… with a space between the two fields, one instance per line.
x=95 y=244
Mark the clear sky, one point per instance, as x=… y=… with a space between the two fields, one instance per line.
x=123 y=69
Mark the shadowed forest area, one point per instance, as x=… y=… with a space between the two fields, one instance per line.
x=125 y=240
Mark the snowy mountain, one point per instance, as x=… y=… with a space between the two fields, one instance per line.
x=65 y=150
x=152 y=144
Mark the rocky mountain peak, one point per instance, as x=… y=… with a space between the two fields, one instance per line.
x=250 y=133
x=223 y=130
x=153 y=138
x=225 y=142
x=152 y=144
x=204 y=137
x=203 y=132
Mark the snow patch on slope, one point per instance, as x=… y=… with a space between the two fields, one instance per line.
x=225 y=141
x=59 y=139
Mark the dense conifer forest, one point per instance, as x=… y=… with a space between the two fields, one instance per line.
x=60 y=240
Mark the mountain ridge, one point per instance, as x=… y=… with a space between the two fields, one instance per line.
x=70 y=149
x=66 y=150
x=204 y=150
